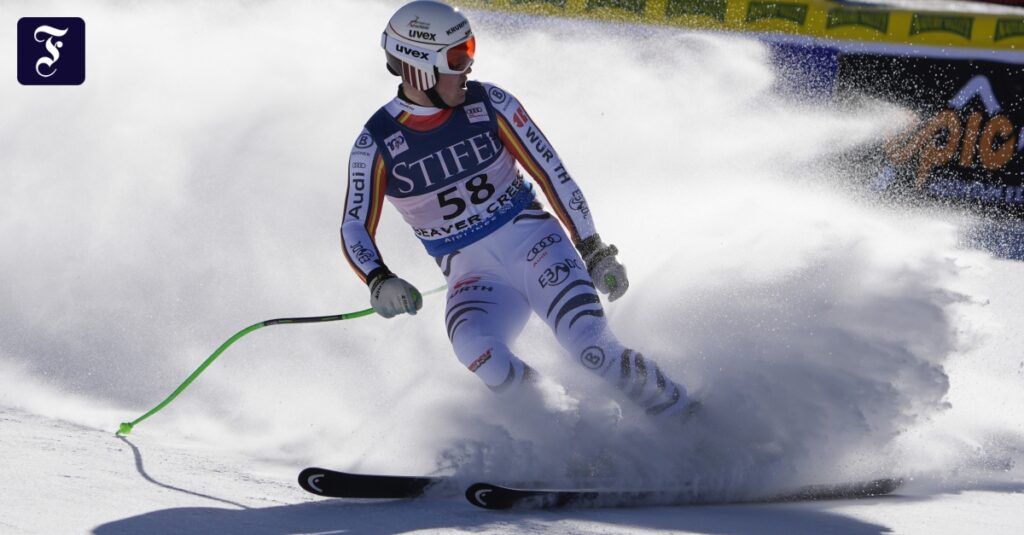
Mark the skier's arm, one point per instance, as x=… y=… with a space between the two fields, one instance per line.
x=363 y=201
x=389 y=295
x=532 y=150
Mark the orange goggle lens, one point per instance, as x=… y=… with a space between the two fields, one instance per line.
x=460 y=56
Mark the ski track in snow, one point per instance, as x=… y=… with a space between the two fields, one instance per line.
x=157 y=209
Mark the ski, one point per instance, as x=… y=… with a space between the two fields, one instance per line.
x=491 y=496
x=334 y=484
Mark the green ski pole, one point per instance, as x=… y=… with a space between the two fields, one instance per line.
x=126 y=427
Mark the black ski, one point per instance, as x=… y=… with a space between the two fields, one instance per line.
x=333 y=484
x=491 y=496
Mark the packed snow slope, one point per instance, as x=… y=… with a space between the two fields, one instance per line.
x=193 y=186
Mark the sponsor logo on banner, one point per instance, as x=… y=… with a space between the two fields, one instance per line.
x=592 y=357
x=51 y=51
x=477 y=113
x=396 y=144
x=715 y=9
x=558 y=273
x=540 y=246
x=635 y=6
x=876 y=20
x=931 y=22
x=793 y=12
x=1006 y=28
x=987 y=139
x=964 y=145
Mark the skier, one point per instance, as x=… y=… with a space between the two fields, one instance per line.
x=444 y=153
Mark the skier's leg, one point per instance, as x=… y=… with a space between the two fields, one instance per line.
x=561 y=292
x=484 y=314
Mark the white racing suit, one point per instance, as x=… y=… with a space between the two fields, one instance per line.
x=452 y=175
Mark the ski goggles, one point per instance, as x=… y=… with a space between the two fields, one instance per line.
x=460 y=56
x=456 y=58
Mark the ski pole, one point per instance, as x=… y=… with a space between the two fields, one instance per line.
x=126 y=427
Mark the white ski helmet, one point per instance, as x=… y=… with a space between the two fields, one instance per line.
x=427 y=37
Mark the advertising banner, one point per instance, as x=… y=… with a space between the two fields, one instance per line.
x=966 y=145
x=818 y=19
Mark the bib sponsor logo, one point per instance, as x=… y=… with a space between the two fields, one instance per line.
x=539 y=247
x=477 y=113
x=396 y=144
x=558 y=273
x=592 y=357
x=430 y=171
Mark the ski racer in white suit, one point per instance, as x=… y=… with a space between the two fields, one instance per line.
x=444 y=153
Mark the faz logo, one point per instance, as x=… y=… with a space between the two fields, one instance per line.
x=578 y=203
x=51 y=51
x=498 y=96
x=548 y=241
x=520 y=117
x=480 y=361
x=411 y=52
x=558 y=273
x=417 y=34
x=396 y=144
x=364 y=141
x=476 y=113
x=592 y=357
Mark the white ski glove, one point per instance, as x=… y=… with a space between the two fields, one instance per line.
x=390 y=296
x=608 y=274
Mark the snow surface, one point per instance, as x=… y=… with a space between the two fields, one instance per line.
x=192 y=186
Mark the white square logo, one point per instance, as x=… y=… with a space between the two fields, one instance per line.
x=477 y=113
x=396 y=144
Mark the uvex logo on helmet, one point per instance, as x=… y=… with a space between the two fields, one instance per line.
x=417 y=34
x=414 y=53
